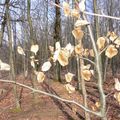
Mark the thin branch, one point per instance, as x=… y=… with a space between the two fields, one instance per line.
x=103 y=15
x=54 y=96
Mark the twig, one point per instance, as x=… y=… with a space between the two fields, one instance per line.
x=54 y=96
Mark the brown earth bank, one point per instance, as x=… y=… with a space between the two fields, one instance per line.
x=43 y=107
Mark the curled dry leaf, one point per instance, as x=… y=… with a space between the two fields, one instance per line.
x=97 y=104
x=69 y=76
x=57 y=46
x=80 y=23
x=111 y=51
x=4 y=66
x=101 y=42
x=82 y=6
x=91 y=53
x=79 y=49
x=70 y=88
x=46 y=66
x=86 y=52
x=117 y=84
x=32 y=63
x=86 y=74
x=69 y=48
x=20 y=50
x=75 y=13
x=117 y=96
x=117 y=41
x=40 y=77
x=55 y=56
x=78 y=33
x=66 y=9
x=63 y=57
x=112 y=35
x=86 y=67
x=34 y=49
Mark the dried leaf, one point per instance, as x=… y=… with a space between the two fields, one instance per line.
x=32 y=63
x=78 y=33
x=87 y=67
x=75 y=13
x=4 y=66
x=117 y=41
x=40 y=77
x=79 y=49
x=117 y=84
x=112 y=35
x=70 y=88
x=20 y=50
x=34 y=49
x=101 y=42
x=86 y=74
x=63 y=58
x=46 y=66
x=66 y=9
x=86 y=52
x=82 y=6
x=69 y=48
x=111 y=51
x=80 y=23
x=97 y=104
x=57 y=46
x=117 y=96
x=91 y=53
x=55 y=56
x=69 y=76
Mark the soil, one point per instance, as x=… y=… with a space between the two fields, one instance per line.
x=43 y=107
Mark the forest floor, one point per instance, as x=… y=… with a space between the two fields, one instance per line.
x=47 y=108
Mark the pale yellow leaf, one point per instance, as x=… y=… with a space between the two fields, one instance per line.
x=101 y=42
x=66 y=9
x=70 y=88
x=86 y=74
x=4 y=66
x=86 y=67
x=86 y=52
x=78 y=33
x=117 y=84
x=80 y=23
x=46 y=66
x=57 y=46
x=32 y=63
x=40 y=77
x=91 y=53
x=69 y=76
x=63 y=58
x=79 y=49
x=75 y=13
x=34 y=49
x=82 y=5
x=111 y=51
x=117 y=97
x=97 y=104
x=20 y=50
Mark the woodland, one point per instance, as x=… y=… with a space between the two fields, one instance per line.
x=59 y=60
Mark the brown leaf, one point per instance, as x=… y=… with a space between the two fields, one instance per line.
x=80 y=23
x=111 y=51
x=66 y=9
x=101 y=42
x=91 y=53
x=78 y=33
x=117 y=84
x=78 y=49
x=117 y=96
x=69 y=76
x=63 y=58
x=86 y=74
x=75 y=13
x=40 y=77
x=70 y=88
